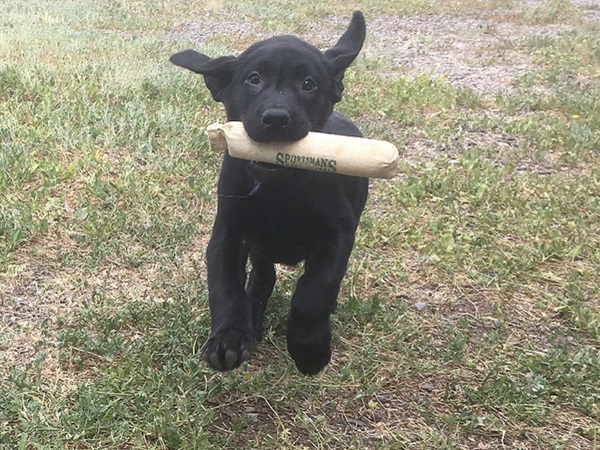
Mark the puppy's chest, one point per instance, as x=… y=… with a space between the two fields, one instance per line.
x=288 y=222
x=286 y=232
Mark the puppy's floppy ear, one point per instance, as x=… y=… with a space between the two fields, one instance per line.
x=217 y=72
x=342 y=54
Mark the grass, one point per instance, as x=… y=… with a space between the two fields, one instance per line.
x=470 y=314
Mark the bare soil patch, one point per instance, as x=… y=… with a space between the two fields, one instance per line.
x=484 y=52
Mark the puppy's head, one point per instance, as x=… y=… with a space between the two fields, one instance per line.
x=280 y=88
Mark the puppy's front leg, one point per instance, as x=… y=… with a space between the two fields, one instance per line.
x=231 y=340
x=315 y=298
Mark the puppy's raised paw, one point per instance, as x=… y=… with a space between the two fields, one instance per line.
x=310 y=350
x=227 y=349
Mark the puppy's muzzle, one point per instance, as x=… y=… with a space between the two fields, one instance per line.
x=275 y=118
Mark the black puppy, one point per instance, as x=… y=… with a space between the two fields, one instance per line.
x=281 y=89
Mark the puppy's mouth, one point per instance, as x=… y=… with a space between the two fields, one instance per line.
x=281 y=135
x=276 y=129
x=263 y=133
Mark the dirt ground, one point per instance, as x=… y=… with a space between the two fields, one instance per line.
x=484 y=52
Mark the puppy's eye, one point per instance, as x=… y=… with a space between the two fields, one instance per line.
x=253 y=78
x=308 y=85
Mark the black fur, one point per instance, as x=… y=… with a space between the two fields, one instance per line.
x=281 y=89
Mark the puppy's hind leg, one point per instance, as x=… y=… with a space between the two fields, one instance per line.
x=260 y=287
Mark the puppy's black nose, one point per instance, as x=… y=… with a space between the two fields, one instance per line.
x=276 y=118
